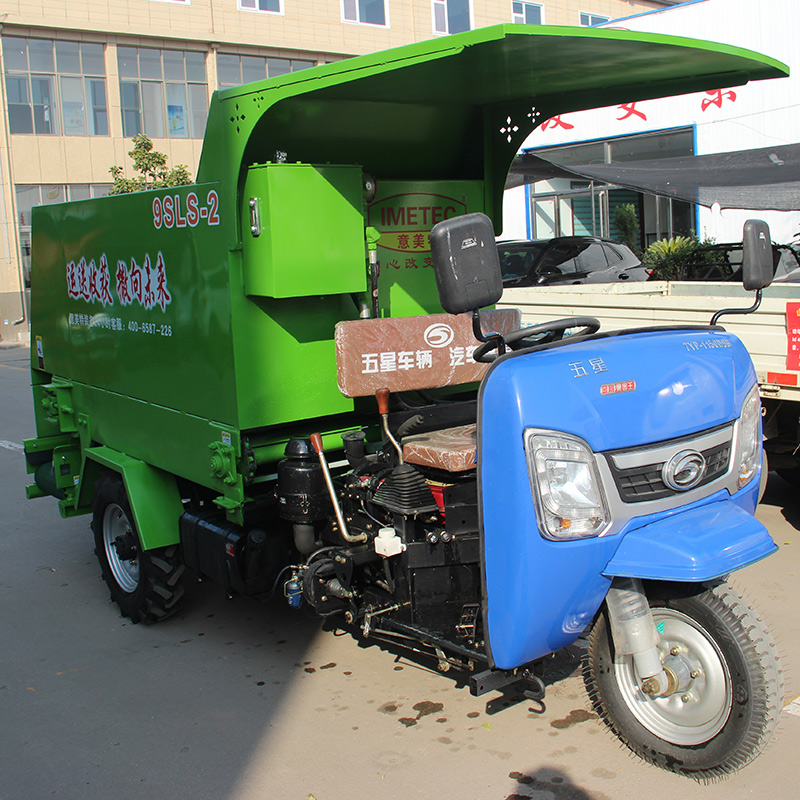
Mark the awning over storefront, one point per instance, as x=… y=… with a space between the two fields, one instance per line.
x=766 y=178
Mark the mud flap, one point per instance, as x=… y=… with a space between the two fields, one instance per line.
x=152 y=493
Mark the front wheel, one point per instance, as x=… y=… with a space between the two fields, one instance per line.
x=145 y=584
x=729 y=689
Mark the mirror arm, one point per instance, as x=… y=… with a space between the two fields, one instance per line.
x=750 y=310
x=479 y=335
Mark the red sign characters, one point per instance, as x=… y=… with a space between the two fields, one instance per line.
x=793 y=331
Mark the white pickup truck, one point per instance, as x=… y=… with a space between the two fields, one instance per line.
x=644 y=304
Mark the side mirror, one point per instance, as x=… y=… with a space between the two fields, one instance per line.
x=466 y=263
x=757 y=259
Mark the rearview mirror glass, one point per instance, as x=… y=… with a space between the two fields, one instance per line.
x=466 y=263
x=757 y=258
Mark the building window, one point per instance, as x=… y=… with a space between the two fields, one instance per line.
x=235 y=70
x=270 y=6
x=527 y=13
x=164 y=92
x=32 y=195
x=588 y=20
x=367 y=12
x=451 y=16
x=55 y=87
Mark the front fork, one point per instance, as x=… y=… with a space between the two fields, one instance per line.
x=635 y=634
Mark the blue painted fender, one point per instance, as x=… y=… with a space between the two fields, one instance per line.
x=698 y=544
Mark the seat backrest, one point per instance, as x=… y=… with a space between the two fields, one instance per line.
x=407 y=353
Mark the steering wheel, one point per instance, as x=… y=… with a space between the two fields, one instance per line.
x=551 y=331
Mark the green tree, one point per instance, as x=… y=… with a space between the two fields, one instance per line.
x=626 y=221
x=151 y=167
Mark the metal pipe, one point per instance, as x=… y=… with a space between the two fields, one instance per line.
x=383 y=407
x=316 y=443
x=724 y=311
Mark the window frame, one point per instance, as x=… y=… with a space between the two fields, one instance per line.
x=145 y=105
x=444 y=4
x=358 y=21
x=590 y=15
x=279 y=13
x=266 y=64
x=525 y=3
x=53 y=114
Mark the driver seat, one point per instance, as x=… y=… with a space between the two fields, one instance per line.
x=449 y=449
x=418 y=353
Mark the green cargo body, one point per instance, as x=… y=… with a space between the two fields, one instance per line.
x=187 y=333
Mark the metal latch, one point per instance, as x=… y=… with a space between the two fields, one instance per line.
x=255 y=217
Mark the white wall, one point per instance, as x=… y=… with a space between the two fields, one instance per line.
x=514 y=214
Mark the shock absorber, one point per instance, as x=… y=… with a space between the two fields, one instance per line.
x=635 y=633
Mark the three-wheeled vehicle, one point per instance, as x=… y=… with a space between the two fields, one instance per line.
x=287 y=377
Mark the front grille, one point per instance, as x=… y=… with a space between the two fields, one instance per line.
x=645 y=482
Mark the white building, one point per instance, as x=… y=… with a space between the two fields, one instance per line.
x=761 y=114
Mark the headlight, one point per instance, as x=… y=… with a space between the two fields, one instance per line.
x=566 y=487
x=748 y=442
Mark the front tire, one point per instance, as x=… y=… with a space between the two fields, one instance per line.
x=730 y=699
x=145 y=584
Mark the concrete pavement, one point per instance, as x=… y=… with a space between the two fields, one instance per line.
x=236 y=700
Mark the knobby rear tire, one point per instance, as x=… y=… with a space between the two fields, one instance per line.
x=145 y=584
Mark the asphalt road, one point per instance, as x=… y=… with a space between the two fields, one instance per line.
x=236 y=700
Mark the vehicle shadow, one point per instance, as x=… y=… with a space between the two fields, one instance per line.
x=551 y=781
x=782 y=495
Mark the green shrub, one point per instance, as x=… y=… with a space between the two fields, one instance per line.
x=665 y=256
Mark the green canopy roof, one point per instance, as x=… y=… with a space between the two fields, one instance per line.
x=460 y=106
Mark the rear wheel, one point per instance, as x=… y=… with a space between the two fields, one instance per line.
x=145 y=584
x=729 y=686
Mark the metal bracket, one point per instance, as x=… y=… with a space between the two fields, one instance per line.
x=491 y=680
x=58 y=407
x=367 y=627
x=223 y=462
x=468 y=624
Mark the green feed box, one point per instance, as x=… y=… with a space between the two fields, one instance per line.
x=291 y=206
